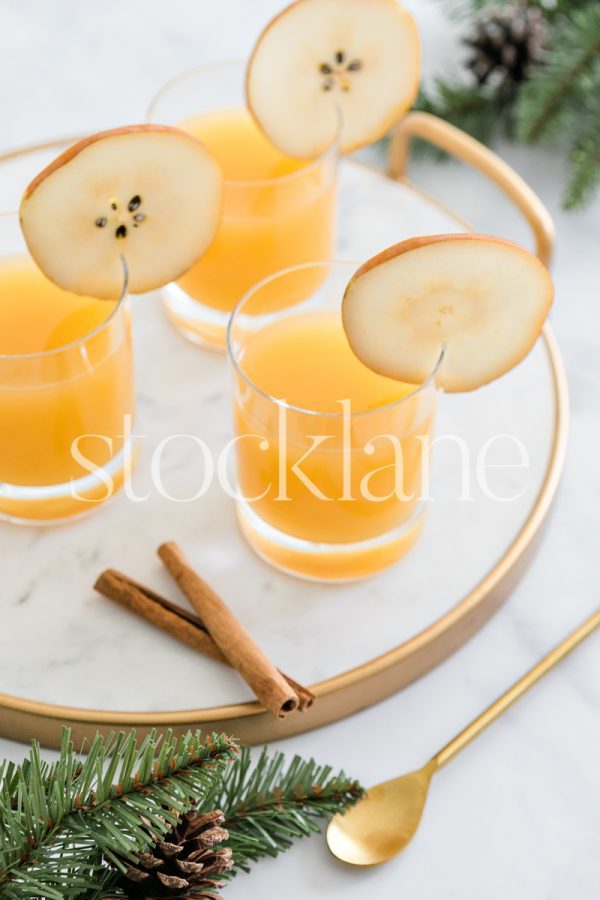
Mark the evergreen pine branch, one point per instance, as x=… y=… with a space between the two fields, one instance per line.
x=60 y=822
x=558 y=102
x=584 y=160
x=268 y=805
x=556 y=93
x=66 y=828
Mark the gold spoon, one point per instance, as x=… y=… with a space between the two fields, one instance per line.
x=382 y=824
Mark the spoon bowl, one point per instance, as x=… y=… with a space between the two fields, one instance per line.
x=383 y=823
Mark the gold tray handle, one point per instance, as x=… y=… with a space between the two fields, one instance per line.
x=464 y=147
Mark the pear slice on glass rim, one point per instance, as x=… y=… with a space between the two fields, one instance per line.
x=148 y=194
x=482 y=300
x=320 y=61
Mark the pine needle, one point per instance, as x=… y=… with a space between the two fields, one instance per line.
x=66 y=828
x=584 y=160
x=556 y=95
x=558 y=103
x=268 y=805
x=60 y=823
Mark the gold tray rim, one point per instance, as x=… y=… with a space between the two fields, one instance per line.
x=358 y=688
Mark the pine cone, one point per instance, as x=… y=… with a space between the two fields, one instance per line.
x=507 y=42
x=184 y=863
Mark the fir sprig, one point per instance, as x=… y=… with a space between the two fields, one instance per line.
x=584 y=159
x=561 y=104
x=552 y=100
x=61 y=822
x=268 y=805
x=556 y=103
x=68 y=829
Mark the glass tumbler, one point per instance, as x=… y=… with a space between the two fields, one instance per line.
x=66 y=391
x=278 y=211
x=331 y=457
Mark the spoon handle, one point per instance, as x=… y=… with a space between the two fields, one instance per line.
x=517 y=690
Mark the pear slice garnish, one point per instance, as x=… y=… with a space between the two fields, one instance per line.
x=482 y=300
x=148 y=194
x=324 y=65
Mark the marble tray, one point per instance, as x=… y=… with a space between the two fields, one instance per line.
x=67 y=655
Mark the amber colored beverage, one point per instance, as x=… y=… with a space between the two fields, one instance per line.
x=65 y=372
x=285 y=218
x=277 y=211
x=353 y=503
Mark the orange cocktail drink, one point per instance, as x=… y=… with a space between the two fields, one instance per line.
x=66 y=388
x=330 y=455
x=278 y=210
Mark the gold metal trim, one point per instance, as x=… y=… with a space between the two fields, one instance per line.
x=464 y=147
x=360 y=687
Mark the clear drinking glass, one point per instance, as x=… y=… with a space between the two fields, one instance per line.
x=277 y=211
x=66 y=390
x=357 y=504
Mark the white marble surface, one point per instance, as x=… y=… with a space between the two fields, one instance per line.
x=517 y=815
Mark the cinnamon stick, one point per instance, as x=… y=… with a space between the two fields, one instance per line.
x=174 y=620
x=158 y=610
x=230 y=636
